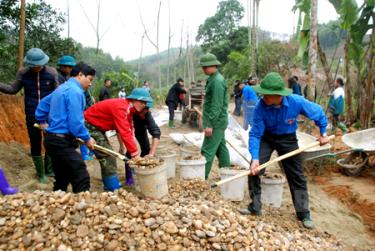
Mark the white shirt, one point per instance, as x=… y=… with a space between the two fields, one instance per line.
x=122 y=94
x=338 y=92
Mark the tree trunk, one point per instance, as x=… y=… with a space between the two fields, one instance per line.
x=140 y=59
x=68 y=13
x=367 y=92
x=249 y=21
x=348 y=93
x=97 y=28
x=169 y=39
x=21 y=41
x=253 y=42
x=313 y=50
x=326 y=67
x=158 y=52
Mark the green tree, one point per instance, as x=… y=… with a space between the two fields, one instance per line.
x=216 y=31
x=42 y=30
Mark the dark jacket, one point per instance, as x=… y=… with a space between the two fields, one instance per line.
x=105 y=93
x=174 y=93
x=144 y=123
x=296 y=88
x=237 y=92
x=34 y=92
x=62 y=76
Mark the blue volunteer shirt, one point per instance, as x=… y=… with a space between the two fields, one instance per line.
x=282 y=120
x=63 y=110
x=249 y=94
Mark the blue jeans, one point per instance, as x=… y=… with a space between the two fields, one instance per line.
x=248 y=108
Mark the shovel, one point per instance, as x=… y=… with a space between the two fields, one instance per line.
x=96 y=147
x=268 y=163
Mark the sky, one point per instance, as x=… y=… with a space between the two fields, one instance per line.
x=121 y=28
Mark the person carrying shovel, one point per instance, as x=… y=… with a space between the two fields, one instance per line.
x=274 y=128
x=215 y=115
x=60 y=114
x=115 y=114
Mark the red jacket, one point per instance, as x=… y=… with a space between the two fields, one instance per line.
x=114 y=114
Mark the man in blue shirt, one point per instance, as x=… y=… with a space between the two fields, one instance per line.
x=250 y=98
x=61 y=114
x=274 y=128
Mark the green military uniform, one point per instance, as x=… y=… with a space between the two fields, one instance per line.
x=215 y=116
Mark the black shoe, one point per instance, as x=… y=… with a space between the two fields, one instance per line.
x=247 y=211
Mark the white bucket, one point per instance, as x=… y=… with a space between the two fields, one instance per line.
x=189 y=150
x=191 y=169
x=233 y=190
x=152 y=182
x=272 y=191
x=170 y=161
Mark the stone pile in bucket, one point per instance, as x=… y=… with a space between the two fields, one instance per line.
x=145 y=163
x=122 y=221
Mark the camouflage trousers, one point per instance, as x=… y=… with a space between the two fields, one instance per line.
x=107 y=162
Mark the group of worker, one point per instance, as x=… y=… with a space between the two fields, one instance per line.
x=63 y=114
x=59 y=102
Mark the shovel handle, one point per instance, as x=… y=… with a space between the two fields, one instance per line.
x=96 y=147
x=282 y=157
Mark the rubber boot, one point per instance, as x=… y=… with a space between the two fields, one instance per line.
x=39 y=167
x=171 y=124
x=111 y=183
x=343 y=127
x=129 y=176
x=85 y=152
x=5 y=188
x=48 y=166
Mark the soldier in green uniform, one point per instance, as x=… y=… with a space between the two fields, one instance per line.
x=215 y=116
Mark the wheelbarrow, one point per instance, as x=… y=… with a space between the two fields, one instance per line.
x=362 y=145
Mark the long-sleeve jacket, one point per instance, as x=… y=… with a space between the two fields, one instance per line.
x=336 y=101
x=104 y=94
x=249 y=94
x=63 y=110
x=174 y=94
x=36 y=85
x=215 y=106
x=282 y=120
x=146 y=122
x=296 y=88
x=114 y=114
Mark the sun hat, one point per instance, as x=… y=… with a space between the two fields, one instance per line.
x=141 y=94
x=209 y=59
x=66 y=60
x=35 y=57
x=272 y=84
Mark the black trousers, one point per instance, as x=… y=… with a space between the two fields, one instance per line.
x=293 y=170
x=35 y=136
x=67 y=164
x=171 y=107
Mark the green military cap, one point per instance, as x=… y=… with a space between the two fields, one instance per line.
x=272 y=84
x=209 y=59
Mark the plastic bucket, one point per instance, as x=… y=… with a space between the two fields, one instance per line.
x=152 y=182
x=272 y=191
x=233 y=190
x=170 y=161
x=190 y=150
x=191 y=169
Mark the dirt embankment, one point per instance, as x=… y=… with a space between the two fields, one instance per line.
x=12 y=122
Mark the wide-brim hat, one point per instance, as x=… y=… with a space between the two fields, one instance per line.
x=66 y=60
x=140 y=94
x=35 y=57
x=272 y=84
x=209 y=59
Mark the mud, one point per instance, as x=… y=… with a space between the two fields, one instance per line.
x=12 y=122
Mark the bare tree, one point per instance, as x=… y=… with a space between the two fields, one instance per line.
x=21 y=41
x=68 y=14
x=169 y=40
x=313 y=50
x=99 y=36
x=140 y=58
x=156 y=45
